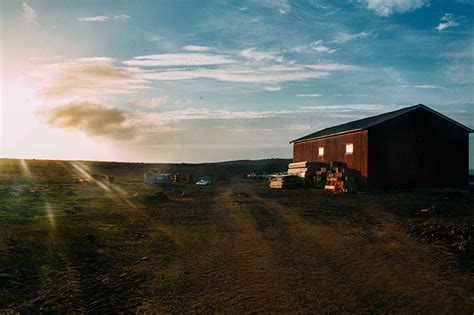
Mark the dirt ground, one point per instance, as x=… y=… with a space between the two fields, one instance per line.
x=234 y=246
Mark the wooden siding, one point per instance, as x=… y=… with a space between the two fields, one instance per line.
x=335 y=150
x=418 y=149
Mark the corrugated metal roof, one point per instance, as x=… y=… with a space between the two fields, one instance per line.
x=365 y=123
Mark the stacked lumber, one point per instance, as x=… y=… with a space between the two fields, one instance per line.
x=283 y=181
x=305 y=171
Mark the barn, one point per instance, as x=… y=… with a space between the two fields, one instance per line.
x=414 y=147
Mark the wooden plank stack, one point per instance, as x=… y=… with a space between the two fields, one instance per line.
x=305 y=171
x=284 y=181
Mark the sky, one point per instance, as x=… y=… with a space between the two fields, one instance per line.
x=201 y=81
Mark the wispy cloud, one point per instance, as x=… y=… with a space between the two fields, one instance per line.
x=251 y=130
x=28 y=13
x=319 y=47
x=150 y=103
x=256 y=55
x=85 y=77
x=281 y=6
x=273 y=88
x=422 y=86
x=221 y=114
x=263 y=74
x=104 y=18
x=92 y=118
x=183 y=101
x=185 y=59
x=297 y=127
x=389 y=7
x=447 y=20
x=346 y=37
x=309 y=95
x=195 y=48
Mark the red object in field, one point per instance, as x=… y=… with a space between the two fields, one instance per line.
x=190 y=178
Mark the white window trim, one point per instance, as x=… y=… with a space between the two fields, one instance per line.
x=319 y=151
x=352 y=146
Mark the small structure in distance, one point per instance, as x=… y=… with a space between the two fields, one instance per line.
x=154 y=178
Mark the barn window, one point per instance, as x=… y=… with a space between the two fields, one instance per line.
x=349 y=148
x=321 y=151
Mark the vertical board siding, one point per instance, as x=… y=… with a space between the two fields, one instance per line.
x=335 y=150
x=416 y=150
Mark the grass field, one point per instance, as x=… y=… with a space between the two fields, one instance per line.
x=234 y=246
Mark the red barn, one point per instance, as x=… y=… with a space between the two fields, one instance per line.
x=413 y=147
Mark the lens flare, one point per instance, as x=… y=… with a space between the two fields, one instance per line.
x=25 y=168
x=117 y=193
x=81 y=170
x=50 y=216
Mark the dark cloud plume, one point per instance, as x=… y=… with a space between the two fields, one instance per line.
x=93 y=118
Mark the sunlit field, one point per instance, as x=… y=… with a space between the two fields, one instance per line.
x=70 y=241
x=236 y=157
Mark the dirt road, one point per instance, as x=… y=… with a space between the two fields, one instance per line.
x=262 y=254
x=234 y=246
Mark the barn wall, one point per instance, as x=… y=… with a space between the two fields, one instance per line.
x=335 y=150
x=418 y=149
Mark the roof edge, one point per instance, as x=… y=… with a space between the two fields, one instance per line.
x=469 y=130
x=446 y=117
x=327 y=136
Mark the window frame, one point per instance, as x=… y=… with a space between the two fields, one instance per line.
x=352 y=147
x=319 y=152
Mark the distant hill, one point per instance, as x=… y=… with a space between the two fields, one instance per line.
x=42 y=169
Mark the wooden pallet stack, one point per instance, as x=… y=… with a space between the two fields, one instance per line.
x=305 y=171
x=335 y=182
x=335 y=179
x=283 y=181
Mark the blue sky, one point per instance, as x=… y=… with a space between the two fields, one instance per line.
x=220 y=80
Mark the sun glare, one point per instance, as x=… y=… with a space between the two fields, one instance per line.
x=25 y=168
x=50 y=215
